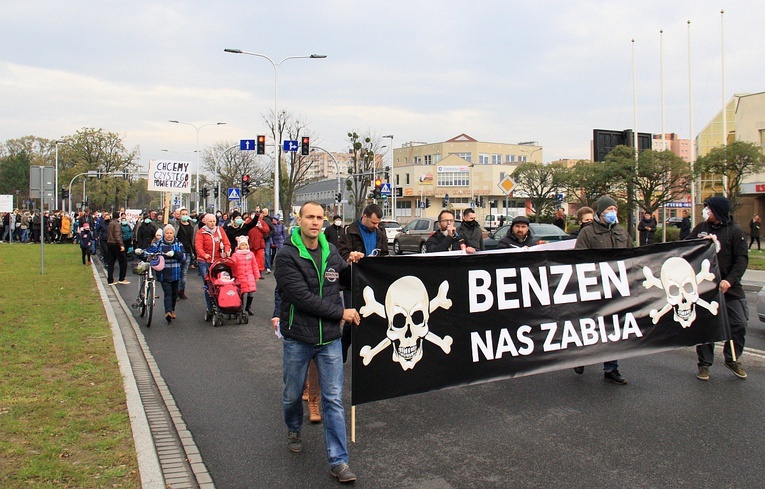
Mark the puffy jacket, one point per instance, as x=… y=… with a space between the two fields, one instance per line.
x=210 y=242
x=255 y=237
x=310 y=308
x=173 y=264
x=246 y=270
x=279 y=235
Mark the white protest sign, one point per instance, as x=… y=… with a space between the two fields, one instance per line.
x=170 y=176
x=133 y=215
x=6 y=203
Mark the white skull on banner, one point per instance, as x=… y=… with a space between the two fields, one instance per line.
x=680 y=284
x=407 y=309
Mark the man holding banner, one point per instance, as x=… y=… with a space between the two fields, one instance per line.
x=733 y=258
x=308 y=274
x=605 y=233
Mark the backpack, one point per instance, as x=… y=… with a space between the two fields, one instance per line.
x=127 y=233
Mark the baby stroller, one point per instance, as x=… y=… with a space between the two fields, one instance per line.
x=225 y=293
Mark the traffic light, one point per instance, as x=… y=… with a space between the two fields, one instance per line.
x=305 y=146
x=427 y=202
x=339 y=197
x=261 y=145
x=446 y=200
x=377 y=193
x=205 y=192
x=64 y=193
x=378 y=182
x=215 y=191
x=245 y=185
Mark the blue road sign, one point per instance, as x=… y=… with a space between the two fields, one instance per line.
x=247 y=144
x=234 y=194
x=290 y=145
x=385 y=188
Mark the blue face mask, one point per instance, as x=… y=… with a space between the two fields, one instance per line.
x=610 y=217
x=184 y=218
x=147 y=221
x=238 y=221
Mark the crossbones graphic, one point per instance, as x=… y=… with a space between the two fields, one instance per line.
x=680 y=284
x=407 y=309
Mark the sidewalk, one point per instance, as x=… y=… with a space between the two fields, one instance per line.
x=753 y=280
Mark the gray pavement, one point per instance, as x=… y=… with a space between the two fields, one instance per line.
x=664 y=429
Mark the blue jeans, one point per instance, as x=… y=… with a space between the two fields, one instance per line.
x=329 y=361
x=184 y=271
x=203 y=267
x=267 y=255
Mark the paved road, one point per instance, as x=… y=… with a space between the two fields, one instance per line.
x=665 y=429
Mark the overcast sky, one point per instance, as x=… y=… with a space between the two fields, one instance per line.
x=499 y=71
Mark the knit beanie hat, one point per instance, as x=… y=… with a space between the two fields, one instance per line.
x=603 y=203
x=720 y=207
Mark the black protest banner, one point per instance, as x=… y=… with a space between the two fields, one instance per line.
x=431 y=322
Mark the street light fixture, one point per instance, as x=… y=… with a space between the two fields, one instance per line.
x=56 y=195
x=391 y=176
x=277 y=132
x=197 y=128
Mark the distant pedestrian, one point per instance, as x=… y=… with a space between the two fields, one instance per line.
x=335 y=230
x=560 y=219
x=86 y=242
x=116 y=250
x=754 y=232
x=685 y=225
x=647 y=229
x=584 y=216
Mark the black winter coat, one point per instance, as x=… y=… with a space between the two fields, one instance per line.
x=733 y=257
x=310 y=309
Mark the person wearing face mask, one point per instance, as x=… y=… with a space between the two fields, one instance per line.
x=584 y=217
x=471 y=231
x=185 y=232
x=604 y=233
x=239 y=225
x=145 y=232
x=733 y=259
x=210 y=243
x=335 y=230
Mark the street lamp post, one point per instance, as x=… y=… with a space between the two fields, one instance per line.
x=217 y=173
x=337 y=170
x=57 y=196
x=391 y=176
x=277 y=132
x=197 y=128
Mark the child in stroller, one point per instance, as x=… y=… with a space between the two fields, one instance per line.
x=224 y=291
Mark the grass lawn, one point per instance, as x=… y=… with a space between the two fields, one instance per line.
x=756 y=260
x=63 y=417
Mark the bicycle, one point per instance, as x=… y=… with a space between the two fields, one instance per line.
x=147 y=286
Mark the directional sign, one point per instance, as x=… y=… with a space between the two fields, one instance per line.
x=506 y=185
x=247 y=144
x=290 y=145
x=385 y=188
x=234 y=193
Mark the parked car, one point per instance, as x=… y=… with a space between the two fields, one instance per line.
x=674 y=221
x=540 y=233
x=761 y=304
x=392 y=228
x=415 y=234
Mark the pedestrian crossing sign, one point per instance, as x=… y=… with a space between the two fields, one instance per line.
x=233 y=193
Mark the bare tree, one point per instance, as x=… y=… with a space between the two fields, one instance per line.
x=541 y=183
x=362 y=165
x=227 y=163
x=294 y=167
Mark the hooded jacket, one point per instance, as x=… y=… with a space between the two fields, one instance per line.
x=733 y=257
x=310 y=307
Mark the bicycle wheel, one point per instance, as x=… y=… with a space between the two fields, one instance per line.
x=149 y=303
x=142 y=296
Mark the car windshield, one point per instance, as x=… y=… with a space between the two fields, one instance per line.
x=547 y=230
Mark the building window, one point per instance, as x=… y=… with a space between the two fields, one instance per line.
x=407 y=178
x=496 y=159
x=436 y=158
x=428 y=159
x=483 y=158
x=397 y=180
x=417 y=160
x=465 y=156
x=454 y=179
x=509 y=158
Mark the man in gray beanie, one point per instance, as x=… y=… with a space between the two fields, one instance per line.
x=604 y=233
x=733 y=259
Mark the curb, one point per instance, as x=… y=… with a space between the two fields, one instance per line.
x=148 y=461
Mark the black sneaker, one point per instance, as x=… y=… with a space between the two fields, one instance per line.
x=343 y=473
x=615 y=377
x=579 y=370
x=294 y=443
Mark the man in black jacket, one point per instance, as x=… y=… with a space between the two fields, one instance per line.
x=446 y=238
x=518 y=236
x=647 y=229
x=308 y=273
x=471 y=231
x=733 y=258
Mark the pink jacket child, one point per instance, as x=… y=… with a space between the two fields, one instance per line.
x=246 y=270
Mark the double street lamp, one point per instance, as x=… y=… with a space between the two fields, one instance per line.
x=197 y=128
x=277 y=132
